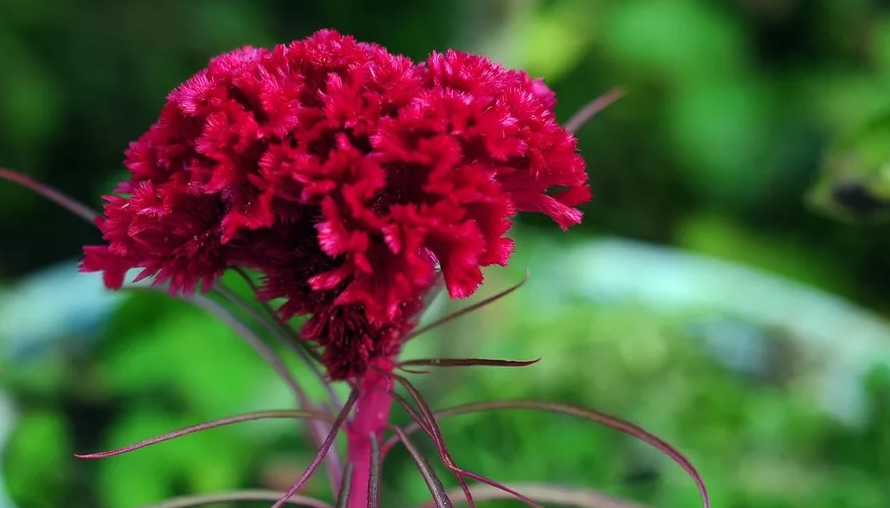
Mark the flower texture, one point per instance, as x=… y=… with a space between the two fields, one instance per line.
x=347 y=176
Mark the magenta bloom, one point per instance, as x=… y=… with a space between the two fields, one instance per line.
x=346 y=176
x=351 y=180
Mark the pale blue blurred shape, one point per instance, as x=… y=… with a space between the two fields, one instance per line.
x=38 y=312
x=839 y=342
x=54 y=304
x=738 y=345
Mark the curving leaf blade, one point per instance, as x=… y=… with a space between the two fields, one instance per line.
x=467 y=362
x=547 y=493
x=345 y=485
x=580 y=412
x=437 y=490
x=374 y=479
x=466 y=310
x=246 y=417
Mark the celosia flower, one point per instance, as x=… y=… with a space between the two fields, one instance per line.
x=350 y=179
x=347 y=176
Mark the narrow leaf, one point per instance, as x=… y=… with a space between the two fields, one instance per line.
x=580 y=118
x=414 y=371
x=427 y=421
x=246 y=417
x=418 y=419
x=287 y=336
x=201 y=300
x=89 y=215
x=437 y=490
x=503 y=488
x=432 y=429
x=466 y=310
x=319 y=456
x=467 y=362
x=245 y=333
x=317 y=429
x=421 y=423
x=375 y=478
x=544 y=493
x=294 y=337
x=588 y=414
x=234 y=497
x=345 y=485
x=77 y=208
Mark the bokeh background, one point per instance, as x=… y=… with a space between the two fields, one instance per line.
x=705 y=297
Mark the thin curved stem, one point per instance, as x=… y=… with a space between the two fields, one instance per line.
x=345 y=486
x=89 y=215
x=587 y=414
x=418 y=419
x=243 y=331
x=580 y=118
x=425 y=420
x=235 y=496
x=317 y=430
x=77 y=208
x=284 y=330
x=466 y=310
x=376 y=471
x=428 y=425
x=271 y=323
x=557 y=494
x=428 y=421
x=500 y=486
x=286 y=335
x=319 y=456
x=437 y=490
x=246 y=417
x=466 y=362
x=372 y=412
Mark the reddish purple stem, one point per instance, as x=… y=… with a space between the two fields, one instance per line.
x=592 y=108
x=322 y=452
x=371 y=418
x=51 y=194
x=466 y=310
x=259 y=415
x=466 y=362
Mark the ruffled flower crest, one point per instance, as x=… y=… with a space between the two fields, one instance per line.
x=346 y=176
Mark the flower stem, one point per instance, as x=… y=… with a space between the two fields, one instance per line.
x=371 y=418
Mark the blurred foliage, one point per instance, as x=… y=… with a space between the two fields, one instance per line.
x=161 y=365
x=735 y=111
x=855 y=182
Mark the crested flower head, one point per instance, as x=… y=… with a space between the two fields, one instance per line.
x=347 y=177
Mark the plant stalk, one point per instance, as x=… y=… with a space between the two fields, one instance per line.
x=371 y=417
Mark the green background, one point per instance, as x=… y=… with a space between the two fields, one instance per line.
x=775 y=384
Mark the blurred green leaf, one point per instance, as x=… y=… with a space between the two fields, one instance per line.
x=681 y=41
x=189 y=352
x=30 y=98
x=555 y=38
x=36 y=459
x=721 y=132
x=201 y=462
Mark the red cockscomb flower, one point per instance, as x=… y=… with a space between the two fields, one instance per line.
x=346 y=176
x=349 y=178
